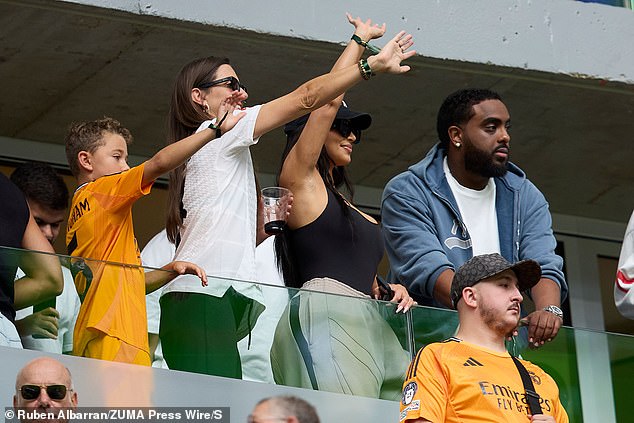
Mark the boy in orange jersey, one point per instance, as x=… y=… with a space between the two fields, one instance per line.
x=471 y=377
x=112 y=322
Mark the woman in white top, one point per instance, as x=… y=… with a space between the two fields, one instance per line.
x=213 y=205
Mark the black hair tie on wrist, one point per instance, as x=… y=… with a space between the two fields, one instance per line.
x=216 y=127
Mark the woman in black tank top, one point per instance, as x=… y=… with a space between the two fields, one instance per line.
x=329 y=245
x=327 y=236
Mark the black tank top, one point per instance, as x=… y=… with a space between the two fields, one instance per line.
x=333 y=246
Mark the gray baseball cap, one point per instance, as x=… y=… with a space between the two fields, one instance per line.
x=481 y=267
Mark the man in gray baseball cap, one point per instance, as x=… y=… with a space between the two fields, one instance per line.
x=486 y=266
x=460 y=378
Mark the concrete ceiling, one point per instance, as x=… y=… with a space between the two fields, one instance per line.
x=62 y=62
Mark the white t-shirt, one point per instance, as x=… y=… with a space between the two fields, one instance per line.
x=477 y=208
x=220 y=198
x=67 y=304
x=157 y=253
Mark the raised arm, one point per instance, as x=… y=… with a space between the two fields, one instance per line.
x=365 y=31
x=175 y=154
x=43 y=278
x=318 y=91
x=299 y=167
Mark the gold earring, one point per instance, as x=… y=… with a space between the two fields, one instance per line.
x=206 y=108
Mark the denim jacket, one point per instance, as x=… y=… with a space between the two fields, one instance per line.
x=425 y=234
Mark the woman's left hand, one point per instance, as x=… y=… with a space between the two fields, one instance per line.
x=401 y=296
x=227 y=106
x=185 y=267
x=366 y=30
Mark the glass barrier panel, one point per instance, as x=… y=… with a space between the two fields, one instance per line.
x=621 y=349
x=329 y=342
x=243 y=330
x=557 y=358
x=571 y=359
x=300 y=338
x=431 y=324
x=100 y=383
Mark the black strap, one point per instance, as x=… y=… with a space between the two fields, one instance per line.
x=532 y=397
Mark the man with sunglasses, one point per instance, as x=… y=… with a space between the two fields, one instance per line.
x=466 y=198
x=44 y=385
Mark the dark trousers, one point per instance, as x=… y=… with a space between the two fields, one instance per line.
x=199 y=332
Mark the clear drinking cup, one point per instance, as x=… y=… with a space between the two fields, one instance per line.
x=275 y=203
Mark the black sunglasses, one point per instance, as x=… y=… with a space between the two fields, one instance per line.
x=234 y=84
x=344 y=127
x=54 y=392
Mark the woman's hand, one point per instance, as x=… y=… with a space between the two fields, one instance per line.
x=366 y=30
x=227 y=108
x=390 y=58
x=185 y=267
x=405 y=302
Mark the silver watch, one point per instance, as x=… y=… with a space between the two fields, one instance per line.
x=555 y=310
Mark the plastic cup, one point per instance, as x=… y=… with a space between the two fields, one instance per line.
x=275 y=203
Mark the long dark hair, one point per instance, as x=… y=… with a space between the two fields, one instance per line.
x=285 y=257
x=183 y=119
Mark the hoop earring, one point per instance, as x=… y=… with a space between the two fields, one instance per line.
x=206 y=108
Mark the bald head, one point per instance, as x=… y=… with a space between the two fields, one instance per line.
x=43 y=372
x=291 y=409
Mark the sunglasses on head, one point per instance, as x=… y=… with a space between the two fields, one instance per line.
x=233 y=83
x=344 y=127
x=54 y=392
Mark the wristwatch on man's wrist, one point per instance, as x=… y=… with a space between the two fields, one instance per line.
x=555 y=310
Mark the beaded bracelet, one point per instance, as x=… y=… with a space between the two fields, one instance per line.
x=371 y=48
x=217 y=126
x=364 y=68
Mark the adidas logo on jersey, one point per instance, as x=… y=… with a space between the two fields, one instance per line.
x=472 y=362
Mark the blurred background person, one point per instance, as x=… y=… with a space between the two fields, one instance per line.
x=43 y=275
x=287 y=409
x=48 y=326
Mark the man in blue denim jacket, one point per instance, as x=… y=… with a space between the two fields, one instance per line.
x=466 y=198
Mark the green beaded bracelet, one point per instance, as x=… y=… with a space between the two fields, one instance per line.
x=364 y=68
x=371 y=48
